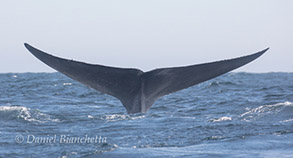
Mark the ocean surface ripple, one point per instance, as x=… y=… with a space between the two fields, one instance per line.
x=235 y=115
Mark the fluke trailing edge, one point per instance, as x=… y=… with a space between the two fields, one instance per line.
x=138 y=90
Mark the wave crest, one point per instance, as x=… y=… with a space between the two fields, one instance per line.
x=118 y=117
x=262 y=111
x=23 y=113
x=221 y=119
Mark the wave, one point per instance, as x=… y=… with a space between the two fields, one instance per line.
x=118 y=117
x=289 y=120
x=282 y=111
x=24 y=113
x=221 y=119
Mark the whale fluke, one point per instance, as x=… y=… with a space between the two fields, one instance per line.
x=138 y=90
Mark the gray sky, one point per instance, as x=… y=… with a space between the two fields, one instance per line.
x=147 y=34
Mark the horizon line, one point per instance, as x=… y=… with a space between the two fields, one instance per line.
x=228 y=72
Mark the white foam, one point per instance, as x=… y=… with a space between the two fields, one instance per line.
x=225 y=118
x=18 y=111
x=216 y=137
x=21 y=112
x=67 y=84
x=264 y=109
x=285 y=121
x=117 y=117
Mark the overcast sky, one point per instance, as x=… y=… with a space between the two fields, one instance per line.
x=147 y=34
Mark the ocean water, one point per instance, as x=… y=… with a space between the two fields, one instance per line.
x=235 y=115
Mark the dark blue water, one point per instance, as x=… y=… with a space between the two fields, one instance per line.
x=235 y=115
